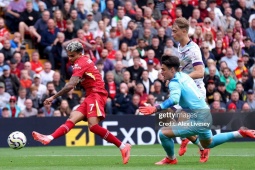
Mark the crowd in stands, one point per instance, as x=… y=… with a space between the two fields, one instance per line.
x=125 y=39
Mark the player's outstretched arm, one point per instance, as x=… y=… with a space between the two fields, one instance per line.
x=69 y=86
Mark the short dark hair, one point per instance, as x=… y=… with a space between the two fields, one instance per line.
x=171 y=61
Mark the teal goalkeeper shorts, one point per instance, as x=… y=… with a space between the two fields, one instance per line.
x=198 y=124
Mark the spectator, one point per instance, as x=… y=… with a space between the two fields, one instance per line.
x=122 y=100
x=58 y=55
x=51 y=91
x=158 y=93
x=64 y=108
x=213 y=7
x=37 y=102
x=145 y=80
x=24 y=55
x=66 y=10
x=7 y=51
x=217 y=97
x=48 y=37
x=218 y=51
x=41 y=89
x=133 y=106
x=108 y=66
x=209 y=91
x=29 y=111
x=216 y=108
x=241 y=92
x=240 y=69
x=248 y=48
x=72 y=98
x=97 y=14
x=206 y=54
x=28 y=19
x=54 y=5
x=130 y=83
x=13 y=107
x=212 y=76
x=250 y=31
x=225 y=95
x=93 y=25
x=126 y=52
x=187 y=8
x=228 y=80
x=120 y=16
x=13 y=66
x=227 y=20
x=40 y=25
x=4 y=96
x=16 y=41
x=57 y=113
x=76 y=21
x=70 y=31
x=59 y=20
x=25 y=80
x=110 y=11
x=22 y=98
x=12 y=16
x=135 y=70
x=153 y=74
x=118 y=72
x=156 y=47
x=209 y=39
x=36 y=64
x=27 y=66
x=5 y=113
x=112 y=89
x=139 y=90
x=234 y=101
x=11 y=81
x=251 y=99
x=2 y=63
x=59 y=83
x=47 y=110
x=18 y=58
x=47 y=73
x=230 y=59
x=211 y=62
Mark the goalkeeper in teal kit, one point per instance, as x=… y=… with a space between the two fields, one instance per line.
x=183 y=91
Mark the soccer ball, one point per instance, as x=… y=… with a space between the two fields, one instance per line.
x=17 y=140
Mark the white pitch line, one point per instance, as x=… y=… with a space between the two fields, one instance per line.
x=133 y=155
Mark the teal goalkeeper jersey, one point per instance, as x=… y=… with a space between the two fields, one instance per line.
x=184 y=91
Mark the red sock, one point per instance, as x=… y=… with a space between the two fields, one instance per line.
x=63 y=129
x=105 y=134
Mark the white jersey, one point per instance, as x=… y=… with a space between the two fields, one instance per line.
x=190 y=56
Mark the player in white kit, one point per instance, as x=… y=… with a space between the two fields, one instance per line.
x=191 y=63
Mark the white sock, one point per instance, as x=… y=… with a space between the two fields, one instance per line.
x=183 y=138
x=237 y=134
x=122 y=146
x=50 y=137
x=172 y=157
x=199 y=145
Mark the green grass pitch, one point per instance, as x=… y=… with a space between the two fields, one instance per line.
x=229 y=156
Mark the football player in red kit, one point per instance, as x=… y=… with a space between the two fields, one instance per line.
x=92 y=109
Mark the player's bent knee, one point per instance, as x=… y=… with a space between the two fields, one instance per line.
x=76 y=116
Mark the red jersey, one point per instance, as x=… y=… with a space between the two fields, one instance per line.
x=88 y=36
x=37 y=67
x=61 y=25
x=91 y=79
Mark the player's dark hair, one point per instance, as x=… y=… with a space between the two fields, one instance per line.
x=171 y=61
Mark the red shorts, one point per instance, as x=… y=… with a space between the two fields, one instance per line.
x=93 y=106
